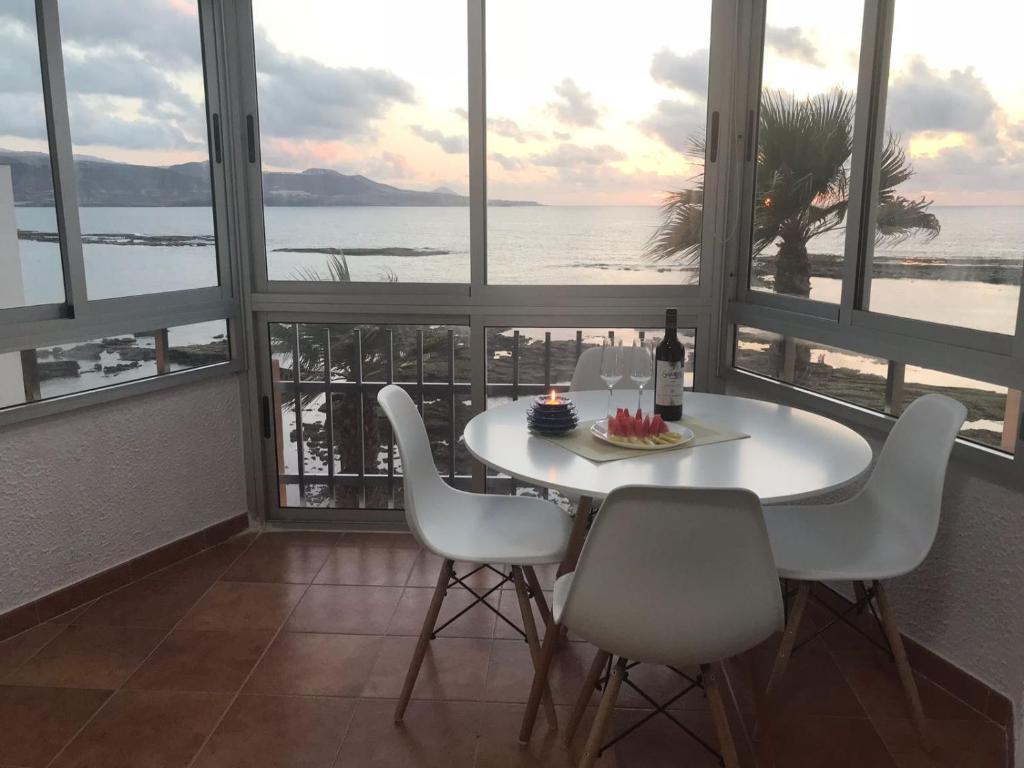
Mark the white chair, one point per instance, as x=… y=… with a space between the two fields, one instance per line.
x=884 y=531
x=587 y=374
x=483 y=530
x=667 y=576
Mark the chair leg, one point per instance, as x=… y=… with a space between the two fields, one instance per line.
x=425 y=634
x=596 y=668
x=892 y=634
x=530 y=628
x=540 y=681
x=538 y=594
x=789 y=635
x=577 y=536
x=716 y=703
x=604 y=713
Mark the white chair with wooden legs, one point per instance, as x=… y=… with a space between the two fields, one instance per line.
x=512 y=531
x=676 y=577
x=587 y=374
x=885 y=530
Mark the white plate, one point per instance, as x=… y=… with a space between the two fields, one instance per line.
x=600 y=431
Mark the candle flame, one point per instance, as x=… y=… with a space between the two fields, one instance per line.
x=552 y=398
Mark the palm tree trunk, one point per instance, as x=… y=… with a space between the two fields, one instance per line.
x=792 y=278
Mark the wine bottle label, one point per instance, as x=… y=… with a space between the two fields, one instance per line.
x=668 y=387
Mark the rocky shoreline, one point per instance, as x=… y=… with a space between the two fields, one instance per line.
x=991 y=271
x=72 y=361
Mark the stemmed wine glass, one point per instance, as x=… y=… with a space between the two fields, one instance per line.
x=611 y=366
x=640 y=368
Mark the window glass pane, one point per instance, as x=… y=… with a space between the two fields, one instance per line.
x=952 y=245
x=138 y=128
x=523 y=362
x=337 y=427
x=595 y=118
x=72 y=368
x=804 y=141
x=30 y=264
x=364 y=143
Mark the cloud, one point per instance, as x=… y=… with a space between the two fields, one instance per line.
x=675 y=123
x=791 y=43
x=453 y=145
x=509 y=128
x=506 y=162
x=685 y=73
x=575 y=106
x=301 y=97
x=96 y=122
x=921 y=99
x=573 y=155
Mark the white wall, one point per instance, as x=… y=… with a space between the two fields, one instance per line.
x=966 y=602
x=89 y=489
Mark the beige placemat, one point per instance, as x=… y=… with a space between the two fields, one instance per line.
x=581 y=442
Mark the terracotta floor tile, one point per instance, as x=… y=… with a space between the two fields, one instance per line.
x=88 y=657
x=660 y=743
x=300 y=538
x=18 y=649
x=273 y=558
x=240 y=605
x=545 y=575
x=345 y=610
x=149 y=603
x=428 y=566
x=832 y=742
x=454 y=669
x=412 y=610
x=68 y=617
x=139 y=729
x=379 y=539
x=316 y=665
x=499 y=747
x=974 y=743
x=38 y=722
x=433 y=734
x=368 y=566
x=278 y=731
x=661 y=684
x=510 y=672
x=214 y=662
x=813 y=684
x=509 y=605
x=207 y=566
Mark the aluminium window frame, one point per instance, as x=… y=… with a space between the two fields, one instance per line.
x=992 y=357
x=80 y=318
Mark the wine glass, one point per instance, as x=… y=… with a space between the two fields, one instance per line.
x=640 y=368
x=611 y=366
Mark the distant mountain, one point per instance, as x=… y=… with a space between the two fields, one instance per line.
x=107 y=183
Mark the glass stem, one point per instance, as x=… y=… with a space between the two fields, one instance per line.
x=608 y=412
x=639 y=396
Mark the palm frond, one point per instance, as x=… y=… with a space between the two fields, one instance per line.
x=337 y=271
x=679 y=235
x=900 y=219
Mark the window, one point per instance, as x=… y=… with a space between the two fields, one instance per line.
x=63 y=369
x=804 y=144
x=30 y=258
x=137 y=107
x=364 y=144
x=993 y=412
x=956 y=223
x=595 y=118
x=340 y=369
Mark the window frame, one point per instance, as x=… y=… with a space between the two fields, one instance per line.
x=79 y=317
x=984 y=355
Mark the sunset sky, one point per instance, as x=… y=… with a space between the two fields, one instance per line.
x=584 y=107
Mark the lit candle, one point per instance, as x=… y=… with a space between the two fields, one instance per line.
x=552 y=398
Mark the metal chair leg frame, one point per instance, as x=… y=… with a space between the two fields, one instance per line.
x=531 y=639
x=426 y=633
x=604 y=712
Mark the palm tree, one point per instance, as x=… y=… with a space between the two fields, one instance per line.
x=801 y=188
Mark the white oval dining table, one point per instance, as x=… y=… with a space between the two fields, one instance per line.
x=791 y=454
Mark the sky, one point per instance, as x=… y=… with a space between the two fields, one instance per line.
x=583 y=107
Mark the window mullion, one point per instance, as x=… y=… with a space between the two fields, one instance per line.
x=65 y=190
x=477 y=145
x=868 y=141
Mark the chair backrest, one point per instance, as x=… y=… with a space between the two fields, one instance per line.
x=676 y=576
x=905 y=487
x=587 y=374
x=423 y=488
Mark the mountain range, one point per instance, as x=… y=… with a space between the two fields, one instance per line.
x=107 y=183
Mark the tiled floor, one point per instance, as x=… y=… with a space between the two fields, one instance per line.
x=287 y=650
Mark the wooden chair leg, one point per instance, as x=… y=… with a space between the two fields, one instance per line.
x=604 y=714
x=425 y=634
x=530 y=628
x=720 y=715
x=538 y=594
x=782 y=656
x=892 y=634
x=577 y=536
x=586 y=691
x=540 y=681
